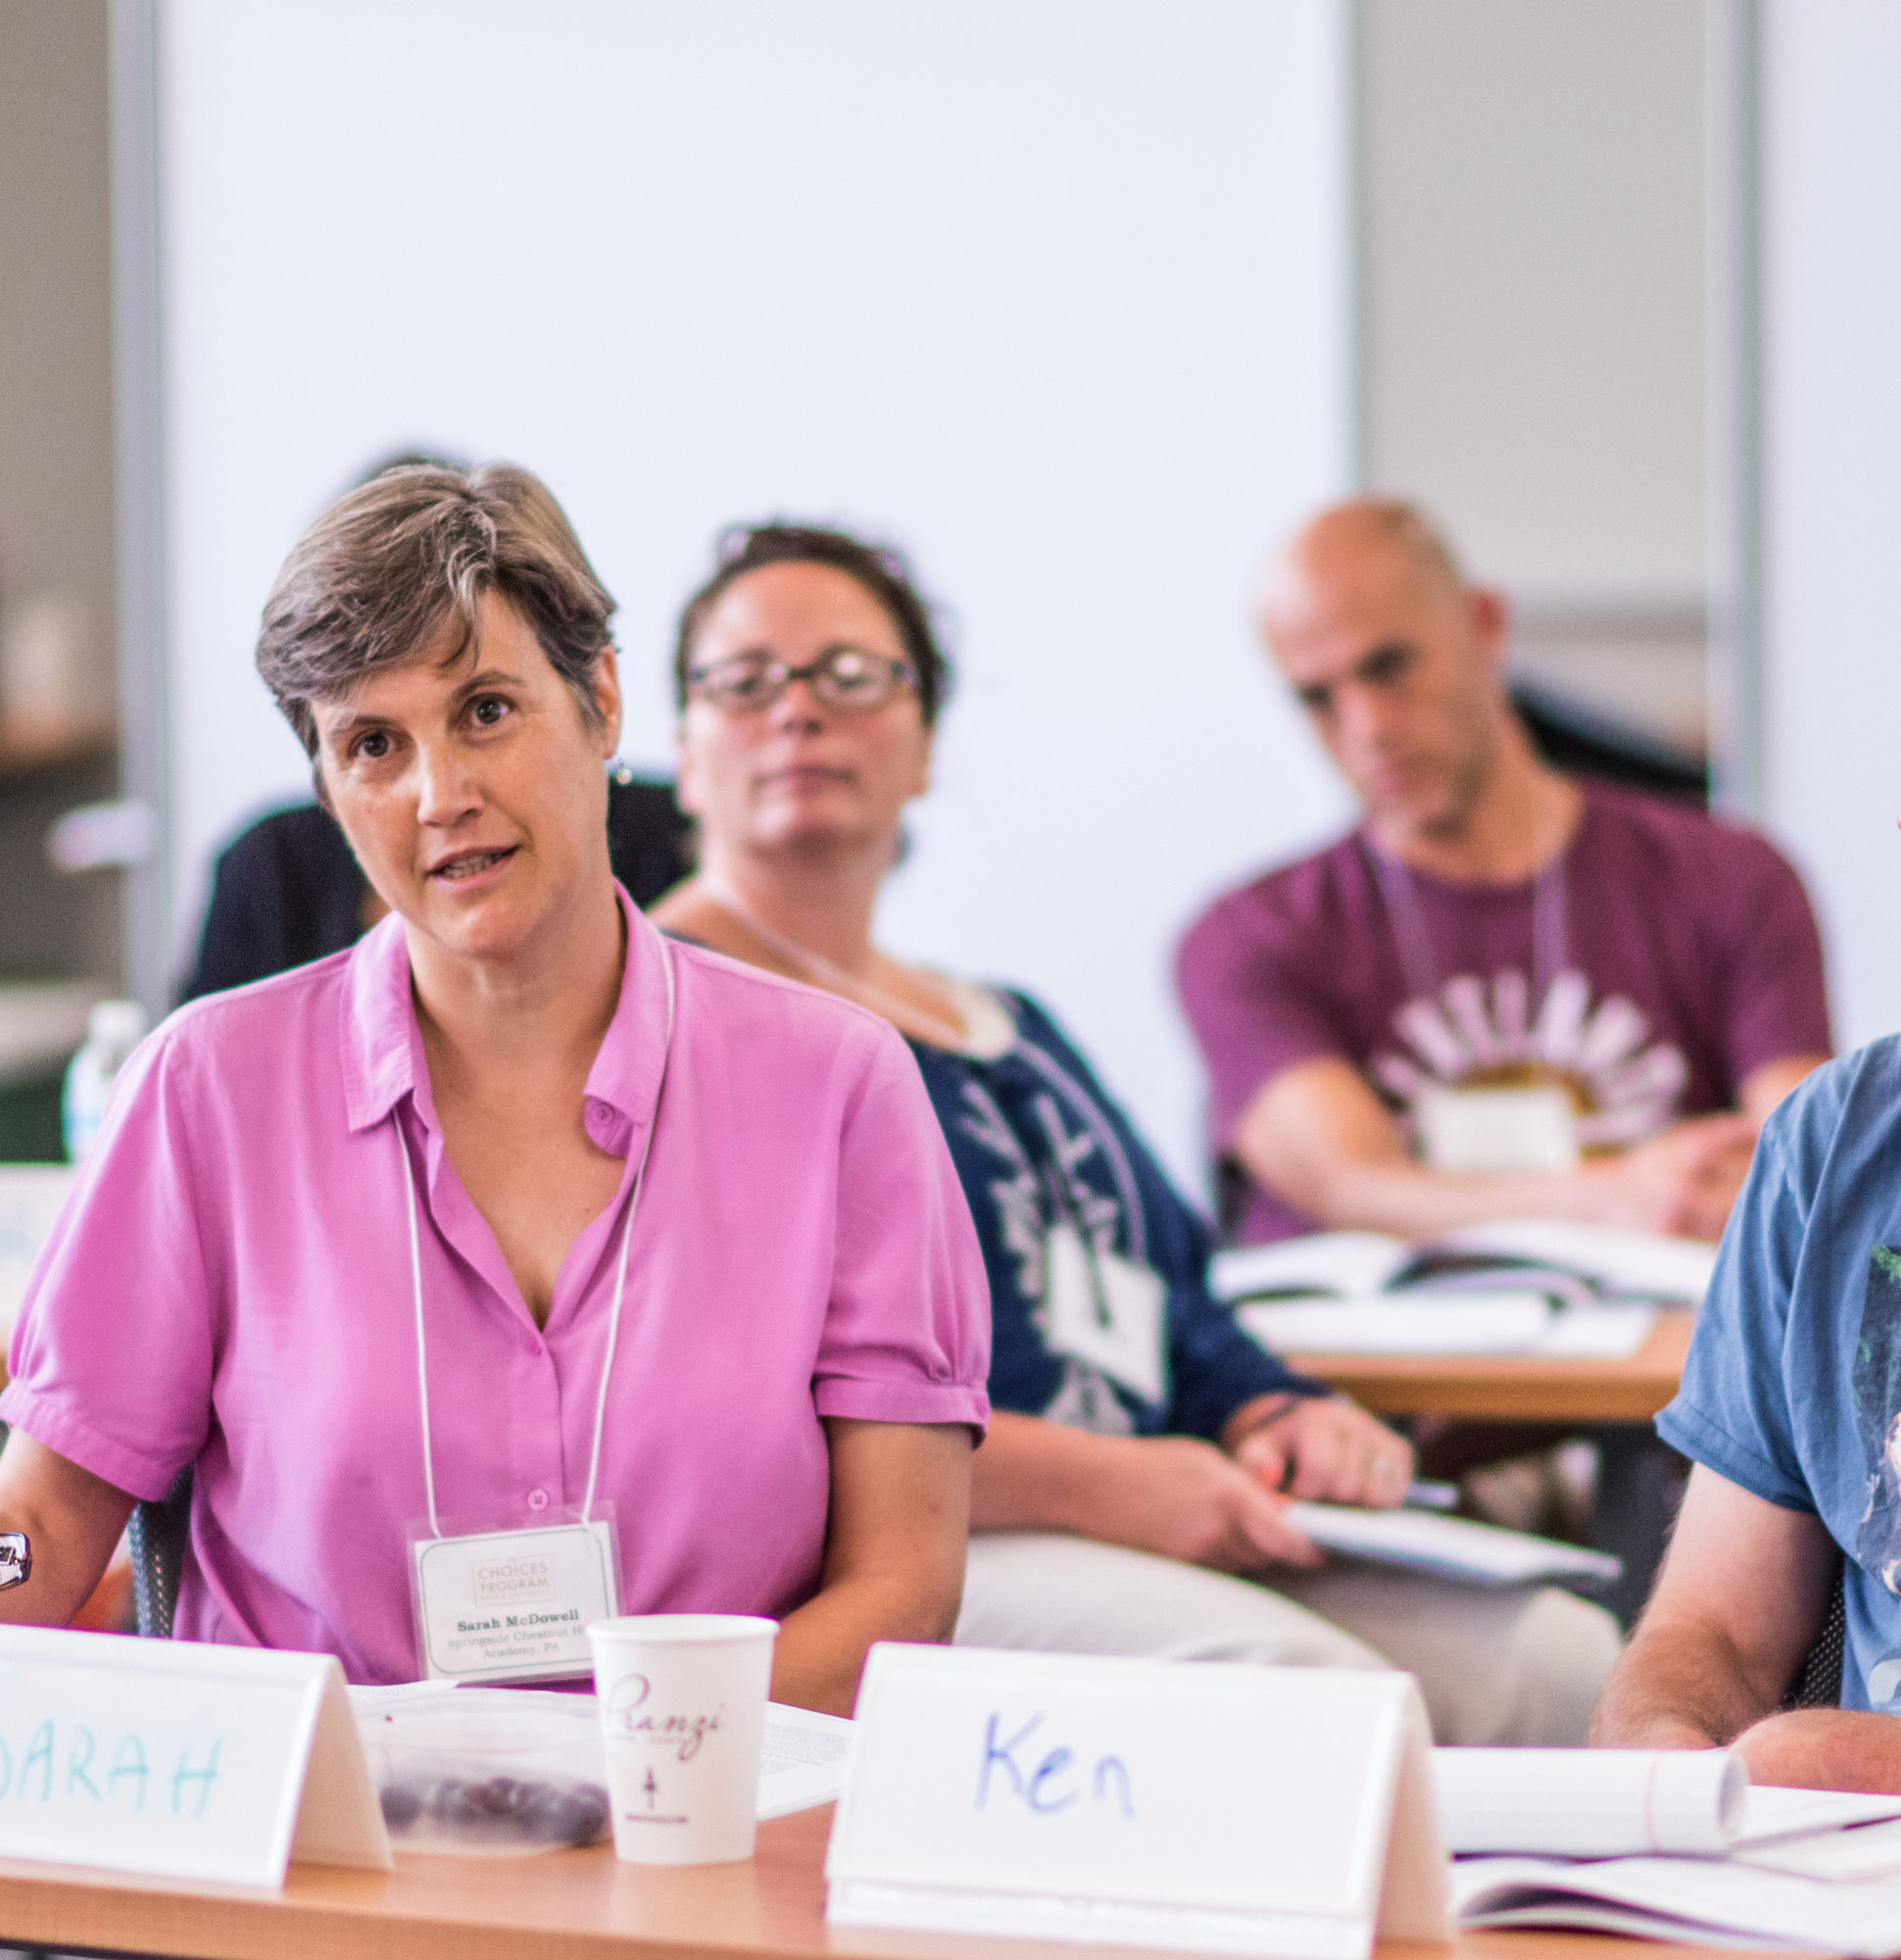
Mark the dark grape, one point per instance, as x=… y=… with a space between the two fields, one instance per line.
x=555 y=1813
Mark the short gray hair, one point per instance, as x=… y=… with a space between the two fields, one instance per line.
x=382 y=572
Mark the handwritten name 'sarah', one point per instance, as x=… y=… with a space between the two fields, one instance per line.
x=67 y=1761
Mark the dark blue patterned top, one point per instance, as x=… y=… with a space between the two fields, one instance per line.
x=1037 y=1142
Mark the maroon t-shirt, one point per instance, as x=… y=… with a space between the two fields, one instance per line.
x=1666 y=958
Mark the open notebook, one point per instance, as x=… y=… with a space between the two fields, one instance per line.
x=1516 y=1286
x=1668 y=1846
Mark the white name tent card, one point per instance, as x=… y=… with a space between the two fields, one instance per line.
x=188 y=1760
x=1210 y=1807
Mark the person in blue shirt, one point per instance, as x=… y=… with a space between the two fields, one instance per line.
x=1131 y=1496
x=1790 y=1410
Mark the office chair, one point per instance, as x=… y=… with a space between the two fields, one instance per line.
x=1818 y=1680
x=157 y=1535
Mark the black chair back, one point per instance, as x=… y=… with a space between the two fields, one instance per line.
x=1818 y=1680
x=159 y=1534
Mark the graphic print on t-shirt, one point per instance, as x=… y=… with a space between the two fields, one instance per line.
x=1875 y=1380
x=1623 y=1084
x=1085 y=1397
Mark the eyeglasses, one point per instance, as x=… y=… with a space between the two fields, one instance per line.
x=845 y=677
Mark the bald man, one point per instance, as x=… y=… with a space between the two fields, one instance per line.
x=1505 y=993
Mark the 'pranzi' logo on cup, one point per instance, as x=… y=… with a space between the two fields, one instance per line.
x=510 y=1580
x=627 y=1719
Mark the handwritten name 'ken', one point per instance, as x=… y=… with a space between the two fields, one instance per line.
x=1049 y=1784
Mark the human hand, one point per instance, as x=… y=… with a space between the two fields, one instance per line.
x=1329 y=1451
x=1682 y=1180
x=1182 y=1498
x=1825 y=1748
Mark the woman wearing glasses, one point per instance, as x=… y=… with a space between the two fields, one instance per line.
x=1140 y=1447
x=516 y=1262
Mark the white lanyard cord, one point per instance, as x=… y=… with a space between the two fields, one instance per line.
x=1550 y=950
x=627 y=1236
x=422 y=1351
x=619 y=1278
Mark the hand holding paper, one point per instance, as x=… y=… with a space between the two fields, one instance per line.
x=1329 y=1451
x=1182 y=1498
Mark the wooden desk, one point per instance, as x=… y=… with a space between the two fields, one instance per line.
x=568 y=1905
x=1640 y=1480
x=1515 y=1388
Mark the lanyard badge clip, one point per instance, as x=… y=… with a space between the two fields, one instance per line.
x=515 y=1603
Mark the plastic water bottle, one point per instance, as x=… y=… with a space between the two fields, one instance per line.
x=113 y=1029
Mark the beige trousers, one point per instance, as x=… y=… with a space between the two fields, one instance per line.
x=1497 y=1664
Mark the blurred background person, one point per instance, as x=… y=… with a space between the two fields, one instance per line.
x=1127 y=1498
x=1633 y=984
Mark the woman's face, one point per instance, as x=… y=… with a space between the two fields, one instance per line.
x=801 y=774
x=471 y=789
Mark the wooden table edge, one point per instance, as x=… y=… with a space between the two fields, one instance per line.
x=1515 y=1388
x=769 y=1909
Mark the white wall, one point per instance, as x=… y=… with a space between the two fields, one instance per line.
x=1534 y=282
x=1832 y=403
x=1053 y=295
x=56 y=435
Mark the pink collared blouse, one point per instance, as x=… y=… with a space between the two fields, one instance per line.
x=230 y=1286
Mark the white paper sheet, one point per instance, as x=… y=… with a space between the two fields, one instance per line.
x=1596 y=1333
x=1701 y=1902
x=1455 y=1547
x=802 y=1760
x=1422 y=1323
x=1644 y=1264
x=1590 y=1803
x=1568 y=1265
x=1771 y=1812
x=1865 y=1852
x=1494 y=1323
x=1349 y=1265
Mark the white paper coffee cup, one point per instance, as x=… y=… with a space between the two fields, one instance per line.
x=682 y=1707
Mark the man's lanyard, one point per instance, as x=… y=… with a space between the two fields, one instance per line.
x=619 y=1278
x=1550 y=950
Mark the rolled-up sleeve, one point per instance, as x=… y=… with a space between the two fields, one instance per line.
x=1733 y=1412
x=907 y=1333
x=111 y=1359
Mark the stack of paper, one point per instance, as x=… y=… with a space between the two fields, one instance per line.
x=1519 y=1287
x=1669 y=1846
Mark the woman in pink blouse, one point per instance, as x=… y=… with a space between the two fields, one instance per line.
x=514 y=1217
